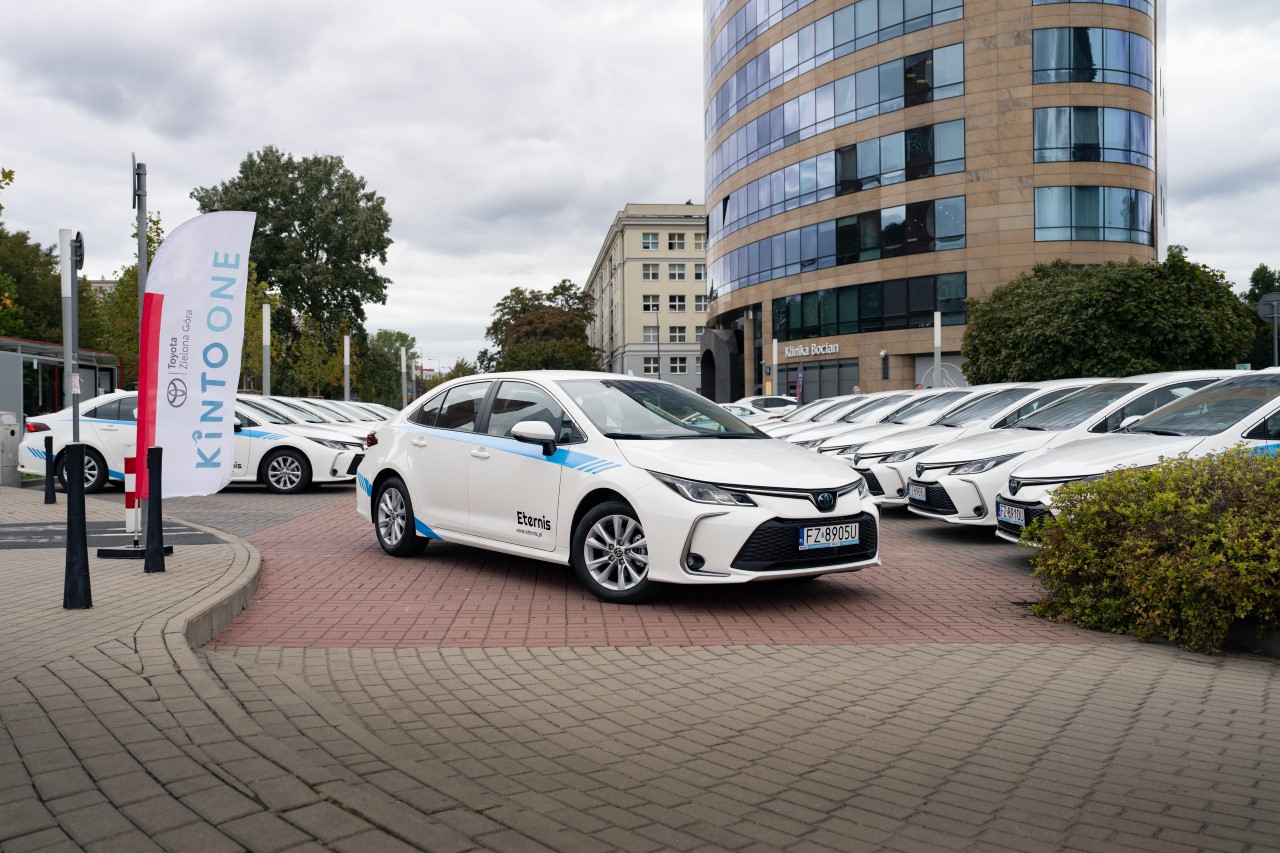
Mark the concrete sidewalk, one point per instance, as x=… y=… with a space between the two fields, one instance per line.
x=116 y=735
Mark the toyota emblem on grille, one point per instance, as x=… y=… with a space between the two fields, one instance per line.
x=919 y=469
x=1014 y=485
x=825 y=501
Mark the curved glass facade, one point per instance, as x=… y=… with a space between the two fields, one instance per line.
x=917 y=79
x=900 y=303
x=852 y=28
x=921 y=152
x=746 y=25
x=907 y=229
x=1110 y=214
x=1145 y=6
x=1092 y=55
x=1094 y=134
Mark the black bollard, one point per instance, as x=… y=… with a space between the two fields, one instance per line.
x=49 y=472
x=156 y=549
x=76 y=594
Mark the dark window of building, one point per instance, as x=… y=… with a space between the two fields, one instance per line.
x=1092 y=55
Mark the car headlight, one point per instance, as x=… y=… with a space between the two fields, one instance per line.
x=810 y=444
x=904 y=455
x=336 y=445
x=703 y=493
x=977 y=466
x=844 y=450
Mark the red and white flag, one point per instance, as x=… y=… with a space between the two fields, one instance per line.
x=189 y=357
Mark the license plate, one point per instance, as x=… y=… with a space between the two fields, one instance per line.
x=1012 y=514
x=828 y=536
x=916 y=492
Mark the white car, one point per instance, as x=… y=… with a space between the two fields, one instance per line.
x=298 y=411
x=285 y=457
x=871 y=408
x=633 y=482
x=887 y=463
x=1244 y=409
x=747 y=416
x=823 y=411
x=770 y=404
x=958 y=481
x=920 y=407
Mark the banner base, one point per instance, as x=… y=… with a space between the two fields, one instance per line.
x=129 y=552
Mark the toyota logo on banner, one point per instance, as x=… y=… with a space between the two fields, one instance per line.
x=176 y=393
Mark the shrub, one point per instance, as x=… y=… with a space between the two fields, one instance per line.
x=1179 y=551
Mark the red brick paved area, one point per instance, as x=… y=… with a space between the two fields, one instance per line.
x=326 y=583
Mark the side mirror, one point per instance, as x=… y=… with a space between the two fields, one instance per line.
x=237 y=427
x=536 y=432
x=1129 y=421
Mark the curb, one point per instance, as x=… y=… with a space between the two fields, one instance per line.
x=208 y=618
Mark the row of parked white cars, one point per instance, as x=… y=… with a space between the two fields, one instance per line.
x=284 y=443
x=992 y=455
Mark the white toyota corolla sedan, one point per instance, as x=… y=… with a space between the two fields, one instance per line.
x=633 y=482
x=1243 y=410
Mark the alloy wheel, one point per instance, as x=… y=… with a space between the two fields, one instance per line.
x=391 y=516
x=616 y=553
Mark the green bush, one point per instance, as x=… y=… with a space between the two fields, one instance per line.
x=1179 y=551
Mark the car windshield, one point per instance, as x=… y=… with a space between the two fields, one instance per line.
x=922 y=409
x=1072 y=410
x=1213 y=409
x=873 y=408
x=326 y=408
x=265 y=413
x=303 y=414
x=806 y=411
x=636 y=409
x=979 y=410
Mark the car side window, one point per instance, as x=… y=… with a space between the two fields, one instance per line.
x=428 y=411
x=128 y=409
x=1148 y=403
x=519 y=401
x=1268 y=430
x=461 y=407
x=245 y=421
x=107 y=411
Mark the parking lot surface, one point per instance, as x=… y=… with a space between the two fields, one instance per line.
x=460 y=702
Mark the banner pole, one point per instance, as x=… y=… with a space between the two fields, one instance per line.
x=140 y=202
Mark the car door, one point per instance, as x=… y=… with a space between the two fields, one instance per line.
x=513 y=490
x=114 y=435
x=244 y=466
x=437 y=456
x=1265 y=437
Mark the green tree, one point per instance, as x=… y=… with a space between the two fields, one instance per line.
x=318 y=235
x=533 y=329
x=1262 y=281
x=6 y=178
x=460 y=368
x=11 y=324
x=380 y=367
x=315 y=362
x=1117 y=319
x=35 y=284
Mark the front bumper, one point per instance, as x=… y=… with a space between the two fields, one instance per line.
x=1007 y=523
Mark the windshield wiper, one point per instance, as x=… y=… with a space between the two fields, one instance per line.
x=1154 y=431
x=1037 y=429
x=636 y=436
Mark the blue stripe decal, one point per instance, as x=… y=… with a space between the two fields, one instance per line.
x=115 y=475
x=1267 y=450
x=259 y=433
x=39 y=454
x=364 y=484
x=85 y=420
x=423 y=530
x=567 y=458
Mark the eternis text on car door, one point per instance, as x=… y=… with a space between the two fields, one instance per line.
x=514 y=490
x=438 y=456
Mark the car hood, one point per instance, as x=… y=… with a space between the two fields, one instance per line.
x=909 y=439
x=738 y=462
x=333 y=432
x=997 y=442
x=1103 y=453
x=860 y=434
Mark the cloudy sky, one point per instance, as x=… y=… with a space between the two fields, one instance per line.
x=503 y=142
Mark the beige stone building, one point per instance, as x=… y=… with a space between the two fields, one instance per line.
x=650 y=290
x=869 y=163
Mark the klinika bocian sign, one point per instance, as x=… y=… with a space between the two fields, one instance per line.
x=815 y=348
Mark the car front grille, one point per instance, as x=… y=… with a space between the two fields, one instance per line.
x=774 y=545
x=873 y=482
x=936 y=500
x=1034 y=512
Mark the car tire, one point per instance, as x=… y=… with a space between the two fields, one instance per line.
x=95 y=471
x=286 y=472
x=393 y=520
x=610 y=555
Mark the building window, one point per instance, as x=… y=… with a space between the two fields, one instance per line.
x=676 y=334
x=698 y=332
x=650 y=334
x=1094 y=134
x=1110 y=214
x=1092 y=55
x=679 y=365
x=649 y=272
x=649 y=240
x=651 y=365
x=895 y=304
x=920 y=78
x=697 y=363
x=700 y=241
x=651 y=302
x=701 y=302
x=675 y=302
x=675 y=272
x=1145 y=6
x=699 y=272
x=675 y=241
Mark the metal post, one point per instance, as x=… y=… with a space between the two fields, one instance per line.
x=937 y=349
x=49 y=471
x=140 y=204
x=266 y=349
x=404 y=386
x=658 y=318
x=153 y=561
x=346 y=367
x=76 y=593
x=64 y=253
x=1275 y=334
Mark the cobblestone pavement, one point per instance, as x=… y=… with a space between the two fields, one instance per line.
x=1008 y=734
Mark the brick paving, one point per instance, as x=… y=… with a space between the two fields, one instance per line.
x=794 y=727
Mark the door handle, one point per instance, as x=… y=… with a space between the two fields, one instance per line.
x=110 y=427
x=419 y=442
x=480 y=454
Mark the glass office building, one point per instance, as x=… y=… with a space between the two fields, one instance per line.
x=873 y=164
